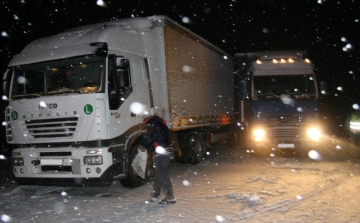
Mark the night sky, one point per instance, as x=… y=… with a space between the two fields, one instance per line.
x=328 y=30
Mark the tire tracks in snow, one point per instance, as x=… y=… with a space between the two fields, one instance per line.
x=287 y=203
x=41 y=190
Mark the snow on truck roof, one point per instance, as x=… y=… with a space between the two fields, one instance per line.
x=85 y=34
x=121 y=34
x=136 y=22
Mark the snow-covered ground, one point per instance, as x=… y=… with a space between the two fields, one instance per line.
x=231 y=185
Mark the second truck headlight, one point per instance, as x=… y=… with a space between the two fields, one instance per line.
x=259 y=135
x=314 y=134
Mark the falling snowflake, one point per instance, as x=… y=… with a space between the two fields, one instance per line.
x=100 y=3
x=4 y=34
x=185 y=19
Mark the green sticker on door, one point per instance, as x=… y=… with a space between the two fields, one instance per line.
x=88 y=109
x=14 y=115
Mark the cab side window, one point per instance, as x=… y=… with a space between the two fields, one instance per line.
x=119 y=82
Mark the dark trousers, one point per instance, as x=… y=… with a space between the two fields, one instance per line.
x=162 y=179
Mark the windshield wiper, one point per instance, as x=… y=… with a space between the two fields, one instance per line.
x=27 y=96
x=64 y=92
x=300 y=94
x=268 y=93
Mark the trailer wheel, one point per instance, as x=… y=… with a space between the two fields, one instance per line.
x=233 y=139
x=193 y=146
x=132 y=179
x=3 y=178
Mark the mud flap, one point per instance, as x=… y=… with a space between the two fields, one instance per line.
x=140 y=162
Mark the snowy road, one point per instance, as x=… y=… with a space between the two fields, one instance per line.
x=231 y=185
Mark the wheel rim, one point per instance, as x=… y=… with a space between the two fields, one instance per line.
x=197 y=147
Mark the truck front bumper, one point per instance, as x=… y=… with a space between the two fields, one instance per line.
x=64 y=166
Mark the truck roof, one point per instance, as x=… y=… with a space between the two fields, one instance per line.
x=269 y=55
x=275 y=62
x=125 y=34
x=85 y=34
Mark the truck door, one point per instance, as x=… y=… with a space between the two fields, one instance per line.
x=128 y=90
x=119 y=81
x=141 y=91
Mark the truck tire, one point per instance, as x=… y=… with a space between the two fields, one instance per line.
x=6 y=174
x=132 y=179
x=3 y=176
x=233 y=139
x=193 y=147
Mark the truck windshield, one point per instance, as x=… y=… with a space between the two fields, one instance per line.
x=272 y=87
x=78 y=75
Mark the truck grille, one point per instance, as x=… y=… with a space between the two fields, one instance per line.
x=286 y=134
x=51 y=128
x=9 y=136
x=290 y=120
x=287 y=128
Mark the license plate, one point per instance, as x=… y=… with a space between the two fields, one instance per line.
x=286 y=145
x=51 y=162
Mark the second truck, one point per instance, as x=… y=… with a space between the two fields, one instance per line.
x=278 y=100
x=76 y=99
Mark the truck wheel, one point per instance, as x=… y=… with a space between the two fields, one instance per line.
x=193 y=146
x=233 y=139
x=132 y=179
x=3 y=176
x=6 y=174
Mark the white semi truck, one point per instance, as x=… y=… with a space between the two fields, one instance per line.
x=76 y=99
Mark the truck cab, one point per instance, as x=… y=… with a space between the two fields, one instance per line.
x=279 y=100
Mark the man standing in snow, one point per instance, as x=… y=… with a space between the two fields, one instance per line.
x=353 y=127
x=156 y=139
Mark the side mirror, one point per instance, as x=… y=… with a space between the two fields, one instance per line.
x=121 y=63
x=5 y=85
x=122 y=74
x=242 y=90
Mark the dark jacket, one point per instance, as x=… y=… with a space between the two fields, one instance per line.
x=155 y=133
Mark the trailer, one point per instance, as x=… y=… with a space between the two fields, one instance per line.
x=278 y=101
x=77 y=98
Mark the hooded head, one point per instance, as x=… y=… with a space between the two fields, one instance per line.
x=152 y=118
x=146 y=118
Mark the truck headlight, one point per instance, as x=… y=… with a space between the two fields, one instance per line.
x=314 y=134
x=93 y=160
x=18 y=161
x=259 y=135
